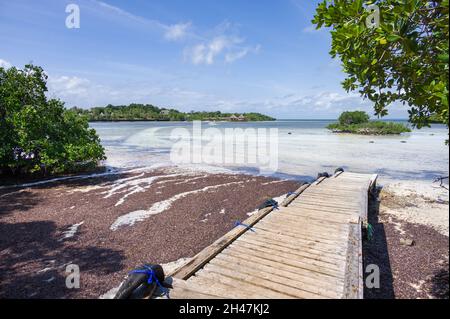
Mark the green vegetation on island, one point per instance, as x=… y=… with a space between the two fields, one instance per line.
x=146 y=112
x=393 y=51
x=358 y=122
x=38 y=135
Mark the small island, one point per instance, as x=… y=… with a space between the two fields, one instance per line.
x=148 y=112
x=358 y=122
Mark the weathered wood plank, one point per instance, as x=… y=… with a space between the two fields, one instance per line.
x=309 y=248
x=319 y=278
x=304 y=290
x=283 y=289
x=210 y=252
x=306 y=282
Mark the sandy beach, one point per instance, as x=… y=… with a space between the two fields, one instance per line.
x=109 y=225
x=410 y=242
x=143 y=210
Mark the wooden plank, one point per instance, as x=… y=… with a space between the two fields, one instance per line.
x=183 y=290
x=222 y=289
x=289 y=260
x=265 y=281
x=292 y=197
x=306 y=210
x=207 y=254
x=310 y=248
x=316 y=230
x=301 y=243
x=333 y=204
x=320 y=278
x=274 y=275
x=305 y=282
x=332 y=196
x=317 y=243
x=316 y=236
x=312 y=260
x=302 y=217
x=354 y=273
x=327 y=258
x=248 y=287
x=315 y=216
x=328 y=208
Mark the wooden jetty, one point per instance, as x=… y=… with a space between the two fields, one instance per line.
x=308 y=247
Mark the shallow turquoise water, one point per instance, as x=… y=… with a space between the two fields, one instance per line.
x=305 y=147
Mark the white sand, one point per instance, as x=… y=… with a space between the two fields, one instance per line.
x=416 y=202
x=71 y=232
x=133 y=217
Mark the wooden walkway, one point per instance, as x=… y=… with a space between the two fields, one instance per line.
x=311 y=247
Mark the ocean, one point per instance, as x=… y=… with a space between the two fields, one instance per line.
x=303 y=148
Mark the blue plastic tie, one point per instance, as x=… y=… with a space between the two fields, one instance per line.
x=237 y=224
x=150 y=273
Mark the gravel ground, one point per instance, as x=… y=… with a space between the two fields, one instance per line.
x=407 y=272
x=44 y=228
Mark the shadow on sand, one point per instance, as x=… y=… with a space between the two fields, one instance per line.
x=33 y=261
x=375 y=252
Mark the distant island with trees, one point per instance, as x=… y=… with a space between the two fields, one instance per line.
x=358 y=122
x=148 y=112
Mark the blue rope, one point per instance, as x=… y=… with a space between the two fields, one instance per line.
x=150 y=273
x=274 y=204
x=237 y=224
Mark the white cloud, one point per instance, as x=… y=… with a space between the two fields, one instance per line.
x=230 y=47
x=66 y=85
x=223 y=42
x=234 y=56
x=130 y=16
x=205 y=53
x=5 y=64
x=177 y=31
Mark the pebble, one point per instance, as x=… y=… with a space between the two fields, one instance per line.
x=407 y=242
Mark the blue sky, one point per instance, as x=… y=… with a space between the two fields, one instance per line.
x=228 y=55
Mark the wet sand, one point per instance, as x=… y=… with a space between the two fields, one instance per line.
x=110 y=224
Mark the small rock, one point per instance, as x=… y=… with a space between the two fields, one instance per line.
x=407 y=242
x=372 y=142
x=404 y=142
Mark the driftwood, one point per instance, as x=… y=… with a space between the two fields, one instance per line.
x=441 y=181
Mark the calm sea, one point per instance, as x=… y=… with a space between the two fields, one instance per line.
x=305 y=147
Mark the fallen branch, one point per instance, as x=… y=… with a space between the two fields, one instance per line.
x=441 y=181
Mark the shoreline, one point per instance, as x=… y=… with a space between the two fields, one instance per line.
x=108 y=225
x=410 y=241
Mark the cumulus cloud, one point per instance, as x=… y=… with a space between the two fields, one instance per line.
x=5 y=64
x=221 y=41
x=67 y=85
x=177 y=31
x=228 y=48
